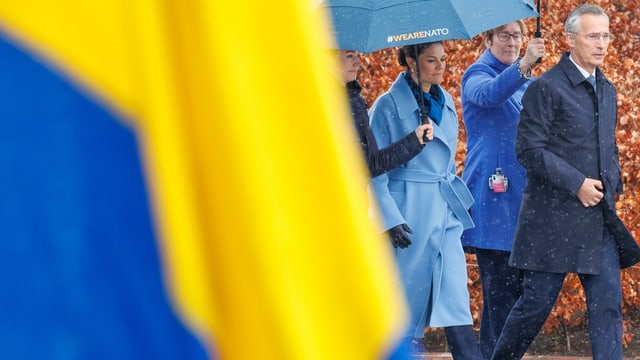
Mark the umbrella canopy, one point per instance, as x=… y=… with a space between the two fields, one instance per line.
x=370 y=25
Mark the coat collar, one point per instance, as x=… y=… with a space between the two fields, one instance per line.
x=404 y=99
x=488 y=58
x=402 y=95
x=574 y=74
x=354 y=86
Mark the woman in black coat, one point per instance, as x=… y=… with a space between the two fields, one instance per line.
x=379 y=161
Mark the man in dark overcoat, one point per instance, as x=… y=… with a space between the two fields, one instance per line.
x=566 y=142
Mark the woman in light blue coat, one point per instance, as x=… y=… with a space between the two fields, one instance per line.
x=424 y=194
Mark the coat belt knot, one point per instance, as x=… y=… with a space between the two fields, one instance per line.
x=452 y=187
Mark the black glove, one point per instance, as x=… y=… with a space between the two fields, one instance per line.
x=398 y=236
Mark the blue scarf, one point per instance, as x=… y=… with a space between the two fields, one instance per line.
x=433 y=100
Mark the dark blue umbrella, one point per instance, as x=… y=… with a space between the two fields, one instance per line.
x=370 y=25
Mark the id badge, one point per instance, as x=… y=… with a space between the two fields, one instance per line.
x=498 y=182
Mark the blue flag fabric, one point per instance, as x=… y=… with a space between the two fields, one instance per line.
x=81 y=275
x=195 y=223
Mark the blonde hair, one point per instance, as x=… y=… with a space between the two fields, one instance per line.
x=489 y=33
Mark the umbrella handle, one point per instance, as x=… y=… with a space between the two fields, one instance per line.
x=424 y=119
x=538 y=33
x=424 y=114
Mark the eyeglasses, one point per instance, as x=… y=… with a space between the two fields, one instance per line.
x=504 y=36
x=594 y=37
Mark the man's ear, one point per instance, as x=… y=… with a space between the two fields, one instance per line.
x=571 y=40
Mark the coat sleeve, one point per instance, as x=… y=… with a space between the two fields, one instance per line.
x=389 y=157
x=387 y=205
x=535 y=146
x=381 y=114
x=382 y=160
x=485 y=88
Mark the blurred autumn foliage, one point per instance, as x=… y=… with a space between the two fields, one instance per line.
x=622 y=67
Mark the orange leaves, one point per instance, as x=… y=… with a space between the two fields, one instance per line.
x=622 y=67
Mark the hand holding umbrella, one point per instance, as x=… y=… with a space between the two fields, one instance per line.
x=533 y=54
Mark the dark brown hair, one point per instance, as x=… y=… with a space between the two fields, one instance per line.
x=409 y=51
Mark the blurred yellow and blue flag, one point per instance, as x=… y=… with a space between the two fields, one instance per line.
x=181 y=180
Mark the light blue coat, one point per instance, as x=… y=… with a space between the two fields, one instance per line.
x=426 y=194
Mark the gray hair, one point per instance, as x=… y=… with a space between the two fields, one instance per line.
x=573 y=21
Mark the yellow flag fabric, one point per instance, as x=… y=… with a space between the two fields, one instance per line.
x=257 y=183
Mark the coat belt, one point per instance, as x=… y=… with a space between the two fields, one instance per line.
x=451 y=186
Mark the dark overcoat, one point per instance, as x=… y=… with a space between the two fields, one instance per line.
x=564 y=137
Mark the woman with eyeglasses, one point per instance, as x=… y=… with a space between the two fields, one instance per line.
x=492 y=89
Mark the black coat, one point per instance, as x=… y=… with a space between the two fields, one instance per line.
x=561 y=142
x=379 y=161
